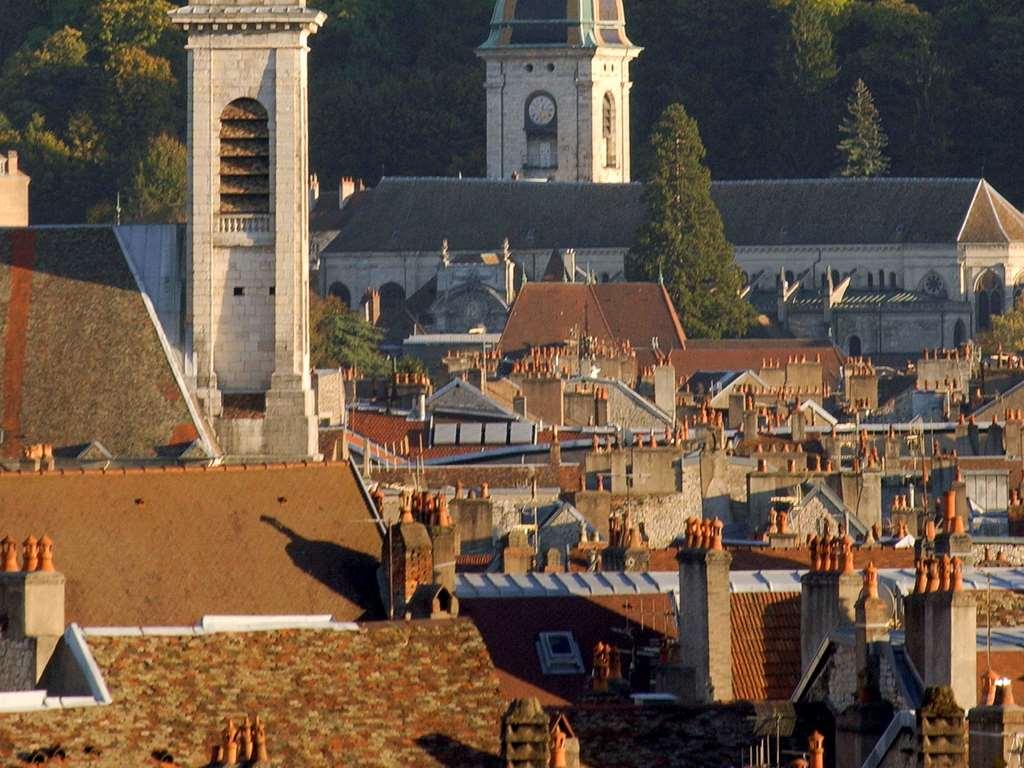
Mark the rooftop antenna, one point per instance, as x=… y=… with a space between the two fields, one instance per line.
x=117 y=210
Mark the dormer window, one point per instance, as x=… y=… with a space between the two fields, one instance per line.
x=559 y=654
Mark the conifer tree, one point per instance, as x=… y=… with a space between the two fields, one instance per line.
x=683 y=242
x=864 y=142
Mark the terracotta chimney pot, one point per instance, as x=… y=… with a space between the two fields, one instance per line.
x=46 y=554
x=921 y=583
x=956 y=575
x=871 y=581
x=31 y=554
x=1004 y=693
x=9 y=553
x=716 y=541
x=816 y=750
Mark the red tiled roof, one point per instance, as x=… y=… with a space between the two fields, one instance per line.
x=639 y=311
x=510 y=628
x=387 y=428
x=167 y=546
x=747 y=354
x=418 y=694
x=546 y=314
x=765 y=645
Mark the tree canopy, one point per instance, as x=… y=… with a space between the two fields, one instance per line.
x=86 y=85
x=683 y=242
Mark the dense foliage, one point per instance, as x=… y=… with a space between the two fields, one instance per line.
x=683 y=242
x=340 y=338
x=87 y=85
x=1006 y=334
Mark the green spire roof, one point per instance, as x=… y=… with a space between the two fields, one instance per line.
x=573 y=23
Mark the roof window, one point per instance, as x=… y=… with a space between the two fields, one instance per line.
x=559 y=654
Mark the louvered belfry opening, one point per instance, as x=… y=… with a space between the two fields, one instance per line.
x=244 y=159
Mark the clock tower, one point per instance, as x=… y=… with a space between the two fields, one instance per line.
x=558 y=90
x=248 y=221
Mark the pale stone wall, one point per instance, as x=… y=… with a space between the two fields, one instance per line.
x=257 y=341
x=14 y=200
x=577 y=80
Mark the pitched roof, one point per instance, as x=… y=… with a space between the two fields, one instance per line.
x=415 y=214
x=547 y=313
x=82 y=358
x=768 y=559
x=380 y=695
x=168 y=546
x=387 y=428
x=749 y=354
x=458 y=396
x=510 y=627
x=765 y=645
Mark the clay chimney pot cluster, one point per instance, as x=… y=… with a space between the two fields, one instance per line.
x=939 y=575
x=704 y=534
x=831 y=554
x=242 y=745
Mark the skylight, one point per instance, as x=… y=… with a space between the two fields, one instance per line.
x=559 y=654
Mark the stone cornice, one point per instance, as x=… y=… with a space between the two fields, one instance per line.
x=250 y=18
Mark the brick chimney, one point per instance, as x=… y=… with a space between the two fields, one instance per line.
x=941 y=732
x=940 y=621
x=525 y=738
x=444 y=541
x=996 y=728
x=408 y=549
x=705 y=622
x=518 y=555
x=828 y=594
x=859 y=726
x=31 y=612
x=954 y=541
x=665 y=388
x=371 y=306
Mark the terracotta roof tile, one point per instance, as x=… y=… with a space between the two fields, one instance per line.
x=747 y=354
x=765 y=645
x=409 y=694
x=387 y=429
x=168 y=546
x=82 y=360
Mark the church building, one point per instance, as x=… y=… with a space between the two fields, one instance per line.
x=880 y=266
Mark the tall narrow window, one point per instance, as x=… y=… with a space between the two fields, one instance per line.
x=541 y=123
x=611 y=158
x=244 y=159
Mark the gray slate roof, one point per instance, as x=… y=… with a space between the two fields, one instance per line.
x=416 y=214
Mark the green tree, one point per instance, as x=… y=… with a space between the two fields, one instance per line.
x=135 y=23
x=811 y=55
x=157 y=192
x=864 y=142
x=1006 y=334
x=339 y=337
x=683 y=241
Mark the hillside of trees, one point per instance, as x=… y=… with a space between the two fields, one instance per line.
x=92 y=92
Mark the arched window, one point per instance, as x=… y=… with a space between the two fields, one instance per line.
x=854 y=346
x=959 y=333
x=881 y=278
x=988 y=299
x=871 y=280
x=892 y=279
x=340 y=291
x=608 y=125
x=244 y=159
x=789 y=276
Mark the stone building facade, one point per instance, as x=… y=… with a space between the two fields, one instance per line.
x=558 y=90
x=248 y=227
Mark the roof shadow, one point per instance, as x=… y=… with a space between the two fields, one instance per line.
x=347 y=572
x=451 y=752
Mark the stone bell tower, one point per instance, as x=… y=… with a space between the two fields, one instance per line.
x=248 y=223
x=558 y=89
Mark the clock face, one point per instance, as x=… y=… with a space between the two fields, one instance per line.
x=542 y=109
